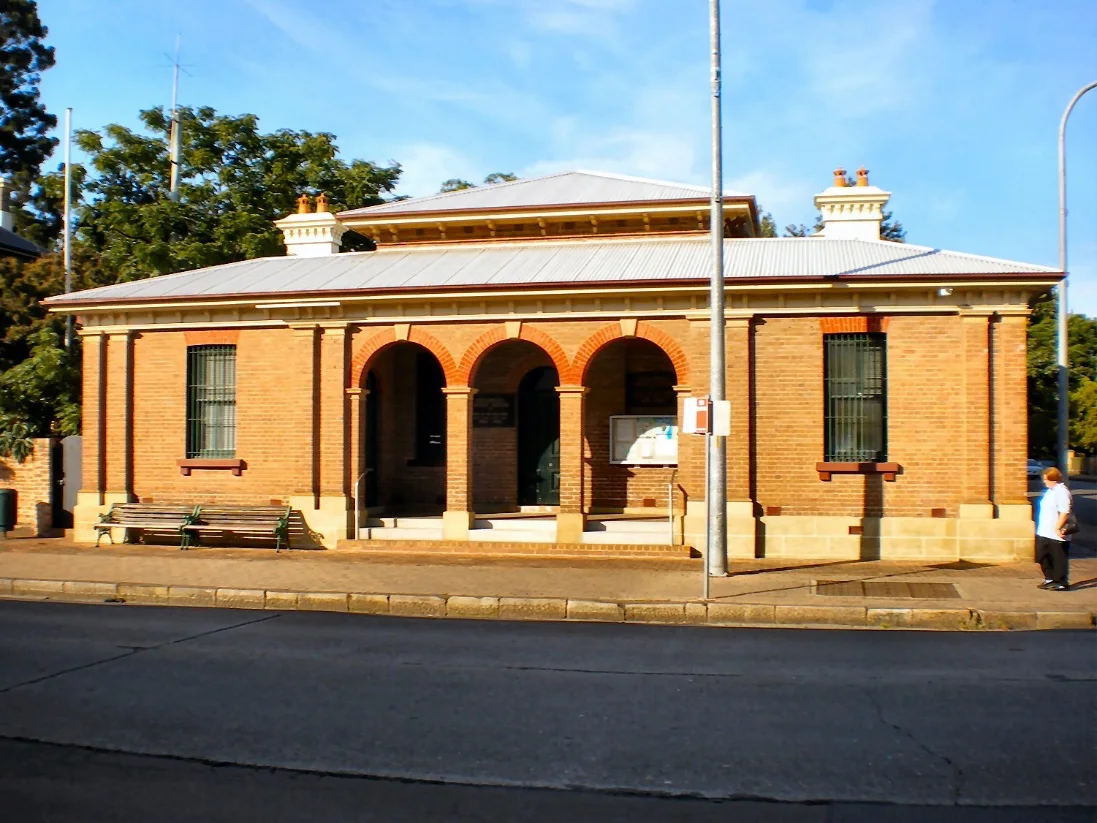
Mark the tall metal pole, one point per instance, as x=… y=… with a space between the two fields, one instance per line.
x=1064 y=382
x=68 y=220
x=717 y=559
x=175 y=137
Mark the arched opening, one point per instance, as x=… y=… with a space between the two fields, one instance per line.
x=404 y=432
x=630 y=425
x=539 y=438
x=515 y=428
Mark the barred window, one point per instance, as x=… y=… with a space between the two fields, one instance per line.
x=211 y=401
x=855 y=415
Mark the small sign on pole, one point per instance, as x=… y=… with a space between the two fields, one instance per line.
x=697 y=416
x=721 y=418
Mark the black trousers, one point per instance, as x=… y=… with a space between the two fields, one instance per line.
x=1052 y=557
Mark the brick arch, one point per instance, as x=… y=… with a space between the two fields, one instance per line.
x=607 y=334
x=493 y=337
x=386 y=338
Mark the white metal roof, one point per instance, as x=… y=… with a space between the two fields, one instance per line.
x=565 y=188
x=543 y=263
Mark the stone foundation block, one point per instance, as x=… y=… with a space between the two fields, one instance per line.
x=37 y=588
x=368 y=603
x=595 y=610
x=1064 y=620
x=533 y=608
x=144 y=593
x=83 y=588
x=888 y=618
x=472 y=607
x=322 y=601
x=696 y=612
x=655 y=613
x=943 y=619
x=192 y=596
x=280 y=601
x=997 y=619
x=417 y=605
x=734 y=614
x=820 y=615
x=241 y=598
x=5 y=585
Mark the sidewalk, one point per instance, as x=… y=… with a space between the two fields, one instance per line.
x=758 y=592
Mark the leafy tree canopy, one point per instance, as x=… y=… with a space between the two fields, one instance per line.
x=457 y=184
x=24 y=121
x=235 y=181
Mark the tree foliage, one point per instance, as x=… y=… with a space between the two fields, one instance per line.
x=1043 y=376
x=235 y=181
x=457 y=184
x=24 y=121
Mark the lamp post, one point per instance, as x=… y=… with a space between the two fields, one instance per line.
x=716 y=558
x=1064 y=383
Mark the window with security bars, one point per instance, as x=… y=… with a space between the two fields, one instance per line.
x=855 y=369
x=211 y=401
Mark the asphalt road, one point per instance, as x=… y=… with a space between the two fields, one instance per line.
x=122 y=712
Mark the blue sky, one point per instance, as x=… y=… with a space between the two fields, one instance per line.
x=953 y=105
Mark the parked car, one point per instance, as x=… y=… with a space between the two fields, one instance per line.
x=1036 y=467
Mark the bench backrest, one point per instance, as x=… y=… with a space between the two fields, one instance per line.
x=149 y=513
x=258 y=515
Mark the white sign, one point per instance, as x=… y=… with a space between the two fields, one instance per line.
x=696 y=415
x=643 y=440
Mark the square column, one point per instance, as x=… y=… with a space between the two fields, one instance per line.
x=739 y=356
x=117 y=447
x=1009 y=412
x=356 y=463
x=91 y=497
x=571 y=518
x=975 y=478
x=457 y=518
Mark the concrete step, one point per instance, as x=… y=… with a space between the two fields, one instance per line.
x=390 y=522
x=516 y=524
x=649 y=525
x=389 y=534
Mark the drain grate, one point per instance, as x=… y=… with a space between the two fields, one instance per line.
x=886 y=588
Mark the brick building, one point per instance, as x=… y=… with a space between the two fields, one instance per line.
x=511 y=363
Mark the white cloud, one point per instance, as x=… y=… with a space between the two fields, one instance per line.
x=776 y=194
x=427 y=165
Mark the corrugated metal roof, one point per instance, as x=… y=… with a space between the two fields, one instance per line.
x=565 y=188
x=561 y=262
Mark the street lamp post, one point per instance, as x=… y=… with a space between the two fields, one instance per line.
x=1064 y=384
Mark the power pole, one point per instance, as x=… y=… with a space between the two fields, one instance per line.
x=68 y=220
x=175 y=138
x=716 y=543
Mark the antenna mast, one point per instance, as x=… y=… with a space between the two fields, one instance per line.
x=175 y=139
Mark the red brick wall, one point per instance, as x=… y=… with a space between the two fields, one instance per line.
x=31 y=481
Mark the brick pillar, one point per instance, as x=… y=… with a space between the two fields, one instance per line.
x=1009 y=483
x=571 y=519
x=303 y=389
x=976 y=411
x=356 y=463
x=93 y=427
x=738 y=349
x=333 y=426
x=457 y=518
x=118 y=435
x=691 y=447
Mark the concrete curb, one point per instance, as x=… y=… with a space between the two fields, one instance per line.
x=692 y=613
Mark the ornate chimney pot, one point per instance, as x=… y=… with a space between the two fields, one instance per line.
x=321 y=203
x=303 y=204
x=862 y=176
x=851 y=212
x=840 y=177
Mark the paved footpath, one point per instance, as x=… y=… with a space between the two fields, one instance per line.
x=757 y=592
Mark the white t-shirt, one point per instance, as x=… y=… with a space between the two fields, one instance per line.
x=1054 y=502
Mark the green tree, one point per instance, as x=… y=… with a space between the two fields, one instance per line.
x=1043 y=377
x=499 y=177
x=235 y=181
x=457 y=184
x=40 y=395
x=766 y=224
x=24 y=121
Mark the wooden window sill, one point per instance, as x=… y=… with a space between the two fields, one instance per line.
x=888 y=470
x=232 y=464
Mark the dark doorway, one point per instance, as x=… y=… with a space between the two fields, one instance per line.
x=539 y=438
x=372 y=440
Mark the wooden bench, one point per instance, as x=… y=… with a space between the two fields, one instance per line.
x=254 y=521
x=145 y=517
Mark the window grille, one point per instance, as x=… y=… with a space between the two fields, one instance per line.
x=855 y=369
x=211 y=401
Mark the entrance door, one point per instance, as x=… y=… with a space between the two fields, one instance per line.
x=539 y=439
x=372 y=441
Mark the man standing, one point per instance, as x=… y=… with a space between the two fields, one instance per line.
x=1052 y=544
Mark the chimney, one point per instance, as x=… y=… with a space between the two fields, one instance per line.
x=311 y=234
x=7 y=219
x=851 y=212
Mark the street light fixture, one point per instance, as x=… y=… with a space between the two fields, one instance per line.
x=1064 y=384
